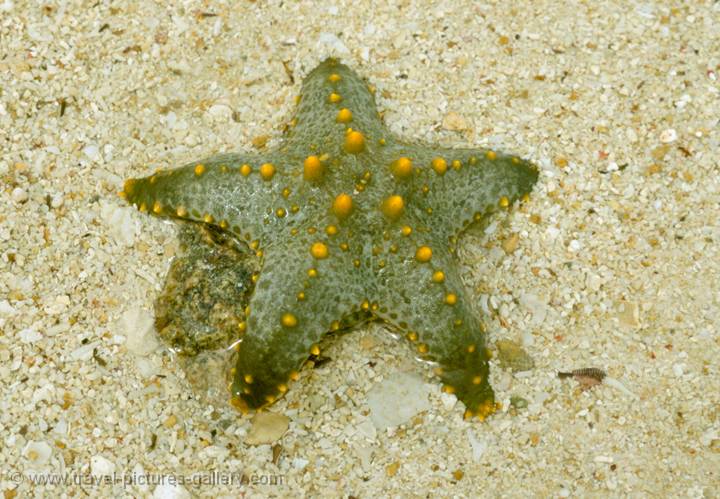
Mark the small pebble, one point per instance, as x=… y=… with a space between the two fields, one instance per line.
x=137 y=324
x=170 y=490
x=667 y=136
x=37 y=453
x=19 y=195
x=267 y=427
x=100 y=466
x=454 y=122
x=396 y=399
x=29 y=336
x=512 y=356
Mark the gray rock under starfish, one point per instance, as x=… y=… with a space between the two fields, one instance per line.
x=347 y=218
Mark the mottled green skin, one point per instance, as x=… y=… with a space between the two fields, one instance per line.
x=379 y=266
x=206 y=290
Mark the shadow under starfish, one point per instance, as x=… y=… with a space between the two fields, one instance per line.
x=347 y=220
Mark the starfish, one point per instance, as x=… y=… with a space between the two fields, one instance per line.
x=347 y=219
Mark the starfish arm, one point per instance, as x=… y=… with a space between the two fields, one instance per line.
x=332 y=100
x=301 y=294
x=423 y=296
x=234 y=192
x=458 y=186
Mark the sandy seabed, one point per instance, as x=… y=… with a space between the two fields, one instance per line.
x=613 y=263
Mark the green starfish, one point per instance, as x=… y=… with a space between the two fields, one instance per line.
x=347 y=218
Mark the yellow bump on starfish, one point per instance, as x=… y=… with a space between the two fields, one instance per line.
x=267 y=171
x=334 y=78
x=315 y=350
x=439 y=165
x=423 y=254
x=406 y=230
x=245 y=170
x=393 y=206
x=334 y=98
x=504 y=202
x=288 y=320
x=438 y=276
x=157 y=207
x=491 y=155
x=208 y=218
x=451 y=298
x=280 y=212
x=319 y=251
x=181 y=211
x=344 y=116
x=313 y=169
x=402 y=167
x=199 y=170
x=354 y=142
x=342 y=206
x=477 y=380
x=248 y=378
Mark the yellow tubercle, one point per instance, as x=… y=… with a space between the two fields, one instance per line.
x=267 y=171
x=157 y=207
x=248 y=378
x=491 y=155
x=199 y=170
x=423 y=254
x=334 y=78
x=344 y=116
x=448 y=389
x=242 y=326
x=438 y=276
x=312 y=273
x=315 y=350
x=439 y=165
x=301 y=296
x=451 y=298
x=208 y=218
x=334 y=98
x=342 y=206
x=282 y=388
x=313 y=169
x=319 y=251
x=288 y=320
x=423 y=348
x=245 y=170
x=393 y=206
x=280 y=212
x=129 y=186
x=354 y=142
x=456 y=164
x=504 y=202
x=406 y=230
x=477 y=380
x=181 y=211
x=294 y=375
x=402 y=167
x=412 y=336
x=331 y=230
